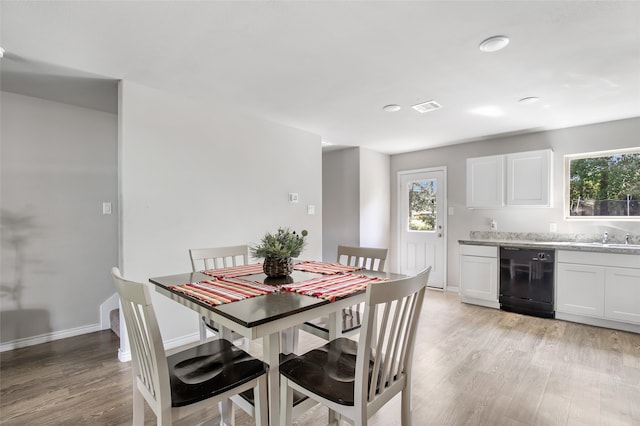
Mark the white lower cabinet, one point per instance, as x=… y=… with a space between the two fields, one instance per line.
x=580 y=289
x=622 y=298
x=599 y=285
x=479 y=275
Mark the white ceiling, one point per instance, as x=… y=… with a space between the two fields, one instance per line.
x=329 y=67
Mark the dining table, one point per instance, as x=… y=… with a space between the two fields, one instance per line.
x=269 y=308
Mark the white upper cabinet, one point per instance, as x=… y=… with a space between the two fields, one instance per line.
x=529 y=178
x=485 y=181
x=522 y=179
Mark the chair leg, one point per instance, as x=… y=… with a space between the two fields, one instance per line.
x=334 y=418
x=287 y=340
x=261 y=406
x=286 y=402
x=362 y=419
x=295 y=339
x=164 y=416
x=203 y=331
x=406 y=406
x=138 y=406
x=227 y=415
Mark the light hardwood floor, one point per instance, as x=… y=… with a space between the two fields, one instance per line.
x=473 y=366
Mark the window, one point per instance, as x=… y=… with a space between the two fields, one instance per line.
x=604 y=185
x=422 y=205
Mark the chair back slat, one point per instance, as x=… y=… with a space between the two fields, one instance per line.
x=369 y=258
x=147 y=350
x=218 y=257
x=392 y=340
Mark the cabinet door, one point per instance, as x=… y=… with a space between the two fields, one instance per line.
x=580 y=289
x=529 y=178
x=622 y=294
x=479 y=277
x=485 y=181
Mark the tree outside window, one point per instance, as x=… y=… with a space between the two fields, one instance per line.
x=605 y=185
x=422 y=205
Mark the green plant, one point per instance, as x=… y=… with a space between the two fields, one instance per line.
x=282 y=245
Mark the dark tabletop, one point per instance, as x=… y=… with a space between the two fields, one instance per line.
x=254 y=310
x=261 y=309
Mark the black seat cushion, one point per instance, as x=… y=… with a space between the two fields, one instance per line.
x=328 y=371
x=210 y=369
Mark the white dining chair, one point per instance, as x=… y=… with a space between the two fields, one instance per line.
x=218 y=257
x=188 y=380
x=368 y=258
x=356 y=379
x=214 y=258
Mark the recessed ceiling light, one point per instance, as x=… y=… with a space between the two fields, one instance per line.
x=495 y=43
x=391 y=108
x=529 y=100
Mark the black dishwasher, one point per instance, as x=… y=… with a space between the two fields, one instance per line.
x=526 y=281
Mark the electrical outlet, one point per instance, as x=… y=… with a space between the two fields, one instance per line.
x=106 y=208
x=553 y=227
x=493 y=225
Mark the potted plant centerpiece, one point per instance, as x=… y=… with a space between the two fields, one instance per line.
x=278 y=251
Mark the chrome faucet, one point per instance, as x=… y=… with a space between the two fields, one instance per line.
x=626 y=238
x=605 y=238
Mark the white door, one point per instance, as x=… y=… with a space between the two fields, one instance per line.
x=422 y=223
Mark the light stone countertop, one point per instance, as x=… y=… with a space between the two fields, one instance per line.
x=574 y=242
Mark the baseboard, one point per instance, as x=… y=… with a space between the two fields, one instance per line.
x=598 y=322
x=124 y=356
x=189 y=339
x=453 y=289
x=182 y=341
x=48 y=337
x=480 y=302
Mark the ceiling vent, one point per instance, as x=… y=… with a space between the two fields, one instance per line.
x=427 y=106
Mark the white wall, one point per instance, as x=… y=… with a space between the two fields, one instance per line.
x=58 y=166
x=341 y=200
x=597 y=137
x=356 y=199
x=193 y=176
x=375 y=193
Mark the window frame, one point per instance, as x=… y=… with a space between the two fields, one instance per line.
x=567 y=184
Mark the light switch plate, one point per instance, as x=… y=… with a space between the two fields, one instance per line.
x=311 y=209
x=106 y=208
x=293 y=197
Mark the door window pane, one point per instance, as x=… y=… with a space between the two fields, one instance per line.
x=422 y=205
